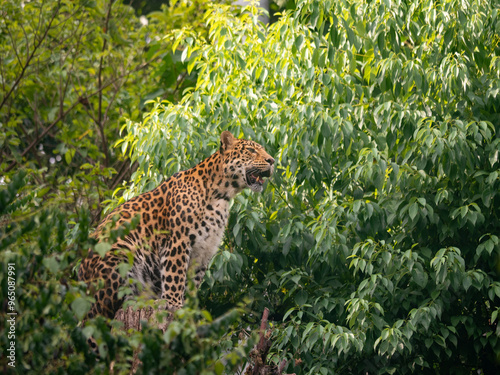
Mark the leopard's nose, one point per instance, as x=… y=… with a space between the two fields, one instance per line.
x=270 y=161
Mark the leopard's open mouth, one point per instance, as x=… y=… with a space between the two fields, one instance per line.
x=255 y=178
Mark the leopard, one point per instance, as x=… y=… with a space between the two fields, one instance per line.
x=179 y=227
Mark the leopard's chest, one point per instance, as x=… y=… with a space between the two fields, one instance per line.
x=210 y=233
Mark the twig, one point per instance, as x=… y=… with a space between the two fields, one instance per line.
x=14 y=47
x=79 y=100
x=30 y=57
x=282 y=366
x=121 y=173
x=259 y=354
x=280 y=194
x=99 y=79
x=179 y=82
x=48 y=128
x=2 y=75
x=263 y=327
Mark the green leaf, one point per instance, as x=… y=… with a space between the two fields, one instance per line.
x=288 y=313
x=386 y=256
x=356 y=205
x=68 y=156
x=301 y=297
x=102 y=248
x=467 y=282
x=413 y=211
x=219 y=368
x=52 y=264
x=80 y=307
x=494 y=316
x=299 y=41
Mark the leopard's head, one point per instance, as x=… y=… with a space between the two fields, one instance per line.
x=245 y=163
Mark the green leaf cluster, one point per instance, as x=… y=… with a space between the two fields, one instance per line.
x=69 y=71
x=375 y=245
x=40 y=252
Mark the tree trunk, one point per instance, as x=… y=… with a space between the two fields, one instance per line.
x=131 y=319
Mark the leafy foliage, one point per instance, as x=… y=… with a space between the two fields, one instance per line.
x=376 y=244
x=69 y=71
x=49 y=304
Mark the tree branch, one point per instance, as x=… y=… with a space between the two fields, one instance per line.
x=79 y=100
x=99 y=78
x=122 y=172
x=30 y=57
x=59 y=118
x=14 y=47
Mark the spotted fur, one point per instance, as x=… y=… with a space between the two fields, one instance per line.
x=181 y=226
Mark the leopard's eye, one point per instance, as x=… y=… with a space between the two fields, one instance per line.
x=251 y=150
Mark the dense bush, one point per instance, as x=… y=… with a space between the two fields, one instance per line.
x=39 y=248
x=69 y=71
x=376 y=244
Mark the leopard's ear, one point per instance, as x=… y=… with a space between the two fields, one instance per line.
x=226 y=141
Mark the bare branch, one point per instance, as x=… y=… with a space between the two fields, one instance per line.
x=30 y=57
x=122 y=172
x=99 y=78
x=14 y=47
x=80 y=100
x=2 y=74
x=117 y=89
x=48 y=128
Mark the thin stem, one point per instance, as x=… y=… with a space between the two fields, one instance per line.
x=30 y=57
x=99 y=78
